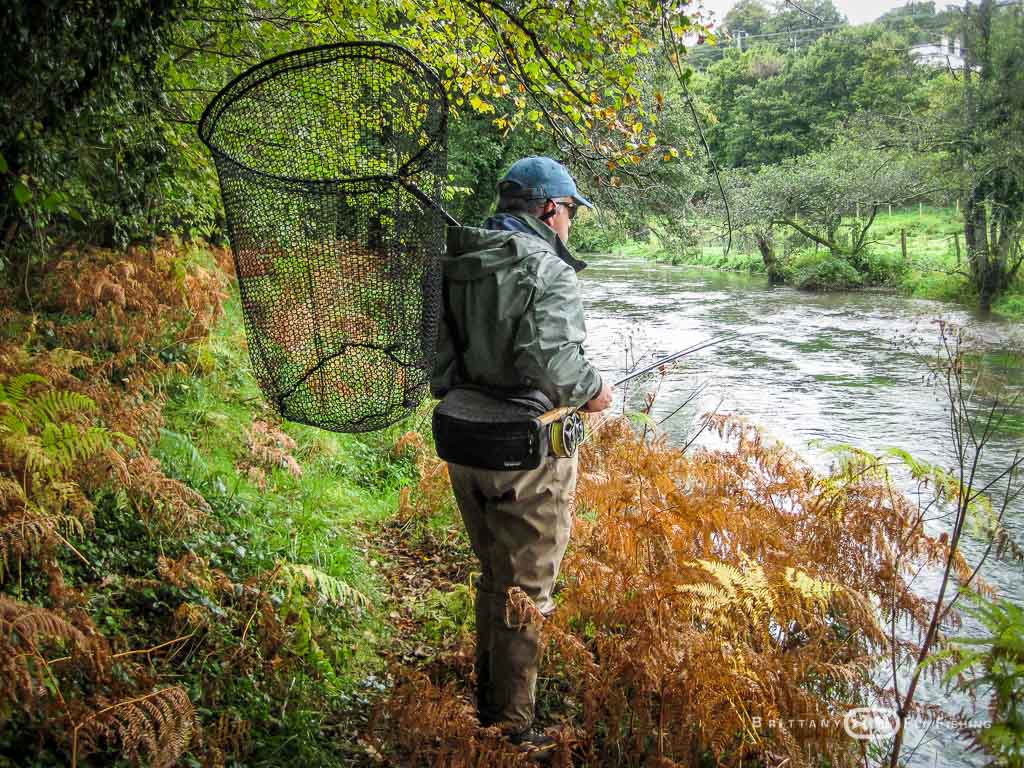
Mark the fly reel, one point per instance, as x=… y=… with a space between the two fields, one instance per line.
x=567 y=434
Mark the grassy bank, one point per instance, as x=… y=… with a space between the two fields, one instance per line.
x=183 y=578
x=930 y=270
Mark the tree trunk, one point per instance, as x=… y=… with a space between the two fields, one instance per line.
x=771 y=262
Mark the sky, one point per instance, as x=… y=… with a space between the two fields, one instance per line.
x=857 y=11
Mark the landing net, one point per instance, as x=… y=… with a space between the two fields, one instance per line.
x=331 y=163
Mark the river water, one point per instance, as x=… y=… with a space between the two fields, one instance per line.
x=811 y=370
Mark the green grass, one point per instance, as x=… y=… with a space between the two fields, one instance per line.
x=715 y=257
x=930 y=271
x=347 y=480
x=637 y=249
x=323 y=518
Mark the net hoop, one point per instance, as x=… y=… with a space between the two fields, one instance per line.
x=332 y=162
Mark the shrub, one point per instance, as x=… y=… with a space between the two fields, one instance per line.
x=596 y=233
x=881 y=267
x=1010 y=306
x=998 y=657
x=821 y=270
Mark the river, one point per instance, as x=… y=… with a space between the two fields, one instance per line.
x=811 y=370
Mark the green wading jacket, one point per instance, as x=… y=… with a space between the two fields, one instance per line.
x=515 y=301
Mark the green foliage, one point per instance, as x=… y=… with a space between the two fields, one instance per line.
x=750 y=16
x=820 y=270
x=327 y=589
x=44 y=443
x=598 y=232
x=769 y=105
x=90 y=146
x=997 y=661
x=920 y=22
x=715 y=257
x=447 y=614
x=1010 y=306
x=98 y=134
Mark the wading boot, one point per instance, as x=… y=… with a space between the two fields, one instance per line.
x=536 y=745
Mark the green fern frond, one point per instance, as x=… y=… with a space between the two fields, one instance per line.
x=69 y=444
x=29 y=450
x=55 y=404
x=328 y=589
x=14 y=392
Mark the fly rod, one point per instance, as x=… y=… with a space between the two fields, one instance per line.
x=566 y=426
x=673 y=357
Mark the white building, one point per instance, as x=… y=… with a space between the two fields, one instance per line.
x=946 y=53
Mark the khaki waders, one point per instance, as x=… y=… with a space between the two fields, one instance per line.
x=518 y=523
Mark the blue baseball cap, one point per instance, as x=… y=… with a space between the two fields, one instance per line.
x=540 y=178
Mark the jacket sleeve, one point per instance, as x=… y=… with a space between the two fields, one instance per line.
x=443 y=374
x=549 y=342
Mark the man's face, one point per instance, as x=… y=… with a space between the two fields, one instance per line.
x=561 y=220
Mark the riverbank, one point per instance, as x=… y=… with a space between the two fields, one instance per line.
x=238 y=590
x=932 y=269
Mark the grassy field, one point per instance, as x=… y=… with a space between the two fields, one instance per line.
x=930 y=270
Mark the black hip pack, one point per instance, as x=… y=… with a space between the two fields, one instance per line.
x=488 y=431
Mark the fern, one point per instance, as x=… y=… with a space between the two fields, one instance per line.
x=43 y=455
x=56 y=404
x=14 y=392
x=816 y=591
x=25 y=630
x=328 y=589
x=715 y=587
x=159 y=727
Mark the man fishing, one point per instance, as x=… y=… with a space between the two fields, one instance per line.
x=514 y=322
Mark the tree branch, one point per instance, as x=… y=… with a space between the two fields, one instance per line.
x=832 y=246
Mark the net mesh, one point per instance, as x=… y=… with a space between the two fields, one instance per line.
x=320 y=154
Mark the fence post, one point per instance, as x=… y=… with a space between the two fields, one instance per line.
x=903 y=243
x=956 y=242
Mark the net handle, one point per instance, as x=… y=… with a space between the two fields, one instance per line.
x=428 y=201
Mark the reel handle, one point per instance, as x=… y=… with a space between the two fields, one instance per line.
x=554 y=415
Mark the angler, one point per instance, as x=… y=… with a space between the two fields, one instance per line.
x=510 y=349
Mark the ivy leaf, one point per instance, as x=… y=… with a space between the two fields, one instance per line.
x=22 y=194
x=3 y=164
x=52 y=201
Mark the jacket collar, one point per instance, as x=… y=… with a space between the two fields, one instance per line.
x=531 y=225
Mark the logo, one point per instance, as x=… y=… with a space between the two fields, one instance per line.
x=867 y=723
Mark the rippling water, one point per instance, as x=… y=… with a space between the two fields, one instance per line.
x=811 y=370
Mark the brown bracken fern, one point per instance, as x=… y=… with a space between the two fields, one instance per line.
x=716 y=603
x=157 y=727
x=81 y=391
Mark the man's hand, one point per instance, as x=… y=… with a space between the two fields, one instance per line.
x=602 y=401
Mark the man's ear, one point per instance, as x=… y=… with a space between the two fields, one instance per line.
x=550 y=209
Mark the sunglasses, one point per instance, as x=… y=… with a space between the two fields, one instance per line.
x=571 y=208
